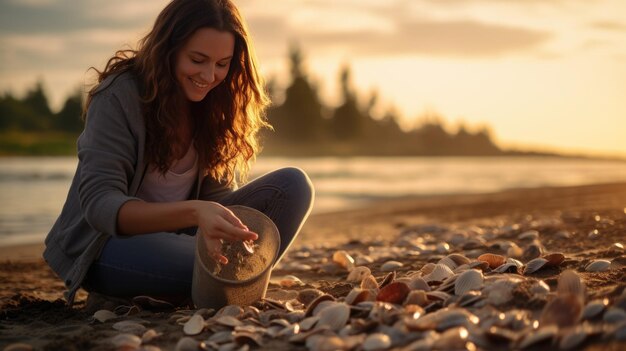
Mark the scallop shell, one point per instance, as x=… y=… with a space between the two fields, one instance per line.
x=493 y=260
x=311 y=307
x=390 y=266
x=532 y=251
x=357 y=274
x=104 y=315
x=598 y=266
x=570 y=283
x=376 y=341
x=369 y=282
x=309 y=323
x=418 y=283
x=442 y=319
x=427 y=268
x=357 y=295
x=468 y=280
x=195 y=325
x=417 y=297
x=390 y=277
x=228 y=321
x=334 y=317
x=439 y=273
x=343 y=259
x=126 y=341
x=554 y=259
x=564 y=311
x=289 y=281
x=454 y=260
x=534 y=265
x=230 y=310
x=507 y=268
x=306 y=296
x=395 y=292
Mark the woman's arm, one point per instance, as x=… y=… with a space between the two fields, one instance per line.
x=214 y=221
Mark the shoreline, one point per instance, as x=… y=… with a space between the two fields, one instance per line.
x=385 y=214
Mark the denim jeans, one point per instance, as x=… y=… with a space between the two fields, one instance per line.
x=161 y=264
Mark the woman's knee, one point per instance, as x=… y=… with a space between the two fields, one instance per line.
x=299 y=183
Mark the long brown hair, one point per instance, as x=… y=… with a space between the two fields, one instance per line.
x=226 y=122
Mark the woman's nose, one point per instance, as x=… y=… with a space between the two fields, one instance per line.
x=208 y=75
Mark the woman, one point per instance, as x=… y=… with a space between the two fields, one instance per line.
x=169 y=128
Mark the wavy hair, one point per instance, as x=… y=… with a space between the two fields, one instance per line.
x=226 y=122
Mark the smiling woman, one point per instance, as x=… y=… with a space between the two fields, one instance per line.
x=170 y=128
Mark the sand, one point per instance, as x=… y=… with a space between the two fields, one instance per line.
x=33 y=312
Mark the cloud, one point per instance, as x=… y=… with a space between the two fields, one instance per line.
x=461 y=38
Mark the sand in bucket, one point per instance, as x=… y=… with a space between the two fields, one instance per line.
x=245 y=277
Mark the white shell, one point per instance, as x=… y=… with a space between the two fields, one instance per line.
x=334 y=316
x=194 y=325
x=343 y=259
x=357 y=274
x=376 y=341
x=126 y=340
x=598 y=266
x=570 y=283
x=418 y=283
x=104 y=315
x=440 y=273
x=469 y=280
x=391 y=266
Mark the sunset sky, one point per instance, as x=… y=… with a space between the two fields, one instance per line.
x=547 y=74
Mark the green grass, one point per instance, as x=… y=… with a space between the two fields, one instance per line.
x=19 y=143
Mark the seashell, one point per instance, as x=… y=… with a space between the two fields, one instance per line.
x=104 y=315
x=540 y=335
x=390 y=266
x=149 y=335
x=564 y=311
x=539 y=287
x=617 y=247
x=598 y=266
x=529 y=235
x=454 y=260
x=594 y=308
x=390 y=277
x=437 y=295
x=534 y=265
x=129 y=327
x=308 y=323
x=453 y=339
x=532 y=251
x=221 y=337
x=357 y=295
x=442 y=248
x=152 y=304
x=149 y=348
x=593 y=234
x=324 y=343
x=228 y=321
x=493 y=260
x=507 y=268
x=334 y=317
x=306 y=296
x=569 y=283
x=500 y=292
x=618 y=262
x=230 y=310
x=376 y=341
x=369 y=282
x=439 y=273
x=187 y=344
x=554 y=259
x=418 y=283
x=574 y=337
x=363 y=260
x=442 y=319
x=357 y=274
x=614 y=315
x=343 y=259
x=311 y=307
x=470 y=298
x=252 y=339
x=209 y=312
x=195 y=325
x=500 y=336
x=126 y=341
x=427 y=268
x=468 y=280
x=289 y=281
x=417 y=297
x=514 y=251
x=395 y=292
x=563 y=234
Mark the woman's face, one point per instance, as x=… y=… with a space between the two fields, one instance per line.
x=203 y=62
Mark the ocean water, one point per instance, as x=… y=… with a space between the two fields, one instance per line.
x=33 y=189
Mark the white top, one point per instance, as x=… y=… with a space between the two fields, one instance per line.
x=175 y=184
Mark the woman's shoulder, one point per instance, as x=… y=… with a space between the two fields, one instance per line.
x=123 y=85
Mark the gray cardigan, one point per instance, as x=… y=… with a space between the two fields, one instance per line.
x=111 y=166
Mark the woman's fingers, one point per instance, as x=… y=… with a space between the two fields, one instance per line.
x=233 y=232
x=234 y=220
x=214 y=249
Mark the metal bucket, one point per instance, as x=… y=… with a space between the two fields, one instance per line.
x=209 y=290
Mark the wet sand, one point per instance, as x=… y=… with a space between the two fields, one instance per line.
x=33 y=312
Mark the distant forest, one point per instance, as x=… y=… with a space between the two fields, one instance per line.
x=303 y=125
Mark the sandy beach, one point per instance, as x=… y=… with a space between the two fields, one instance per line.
x=592 y=217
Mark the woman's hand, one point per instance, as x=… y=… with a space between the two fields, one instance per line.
x=216 y=223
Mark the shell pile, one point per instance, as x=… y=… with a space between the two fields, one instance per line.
x=435 y=287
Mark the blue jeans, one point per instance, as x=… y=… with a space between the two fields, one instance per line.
x=161 y=264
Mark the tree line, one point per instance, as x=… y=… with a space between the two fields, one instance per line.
x=303 y=125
